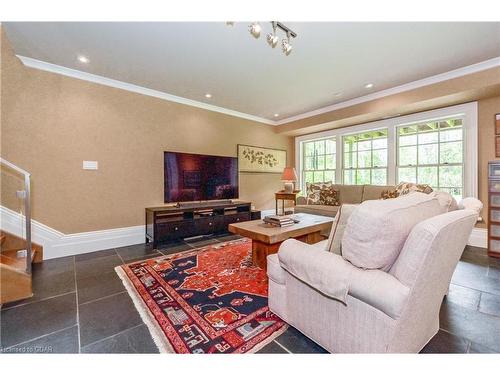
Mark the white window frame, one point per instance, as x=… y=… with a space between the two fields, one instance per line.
x=468 y=111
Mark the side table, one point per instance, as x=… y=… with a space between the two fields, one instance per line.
x=284 y=196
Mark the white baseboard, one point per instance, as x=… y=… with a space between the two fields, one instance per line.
x=57 y=244
x=479 y=237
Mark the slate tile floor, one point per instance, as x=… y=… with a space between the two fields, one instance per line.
x=80 y=305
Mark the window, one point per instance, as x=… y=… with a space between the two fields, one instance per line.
x=319 y=160
x=433 y=153
x=365 y=158
x=437 y=147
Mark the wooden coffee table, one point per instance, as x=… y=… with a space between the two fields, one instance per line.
x=267 y=239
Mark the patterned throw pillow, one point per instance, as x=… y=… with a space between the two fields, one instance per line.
x=409 y=187
x=406 y=188
x=313 y=190
x=389 y=194
x=329 y=196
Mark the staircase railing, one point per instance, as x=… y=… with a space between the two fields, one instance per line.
x=25 y=195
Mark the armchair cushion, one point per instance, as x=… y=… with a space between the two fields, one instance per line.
x=377 y=229
x=274 y=270
x=338 y=228
x=334 y=277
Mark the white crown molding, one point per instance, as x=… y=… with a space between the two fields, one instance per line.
x=56 y=244
x=460 y=72
x=42 y=65
x=78 y=74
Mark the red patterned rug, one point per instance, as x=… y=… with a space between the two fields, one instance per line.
x=209 y=300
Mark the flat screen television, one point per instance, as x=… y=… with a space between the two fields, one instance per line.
x=195 y=177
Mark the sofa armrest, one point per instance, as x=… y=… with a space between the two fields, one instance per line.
x=335 y=277
x=301 y=200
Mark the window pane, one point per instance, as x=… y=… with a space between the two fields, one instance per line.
x=449 y=124
x=380 y=158
x=408 y=174
x=309 y=148
x=364 y=145
x=308 y=177
x=408 y=140
x=349 y=177
x=451 y=152
x=408 y=155
x=364 y=159
x=427 y=127
x=319 y=177
x=350 y=143
x=450 y=135
x=320 y=162
x=379 y=176
x=379 y=143
x=330 y=176
x=450 y=176
x=456 y=192
x=405 y=130
x=320 y=147
x=350 y=160
x=330 y=162
x=428 y=175
x=363 y=177
x=428 y=154
x=330 y=146
x=309 y=163
x=428 y=137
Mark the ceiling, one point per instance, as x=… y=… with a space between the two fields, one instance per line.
x=244 y=74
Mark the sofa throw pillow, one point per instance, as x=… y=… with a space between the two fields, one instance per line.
x=409 y=187
x=389 y=194
x=377 y=229
x=313 y=190
x=328 y=196
x=334 y=243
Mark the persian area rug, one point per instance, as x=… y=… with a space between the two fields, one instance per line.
x=209 y=300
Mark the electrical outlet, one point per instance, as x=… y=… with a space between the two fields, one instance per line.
x=91 y=165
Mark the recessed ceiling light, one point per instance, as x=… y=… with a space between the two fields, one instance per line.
x=368 y=85
x=83 y=59
x=276 y=114
x=208 y=96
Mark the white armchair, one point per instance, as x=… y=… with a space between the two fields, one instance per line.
x=394 y=311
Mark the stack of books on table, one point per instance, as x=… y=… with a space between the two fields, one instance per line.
x=280 y=221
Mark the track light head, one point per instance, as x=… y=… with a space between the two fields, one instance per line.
x=286 y=47
x=272 y=40
x=255 y=30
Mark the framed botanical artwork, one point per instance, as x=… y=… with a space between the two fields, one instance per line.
x=497 y=135
x=261 y=159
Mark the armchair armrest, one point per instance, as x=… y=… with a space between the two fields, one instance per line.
x=322 y=270
x=335 y=277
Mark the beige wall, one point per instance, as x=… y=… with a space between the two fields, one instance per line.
x=51 y=123
x=487 y=108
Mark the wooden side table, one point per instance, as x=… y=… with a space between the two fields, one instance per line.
x=284 y=196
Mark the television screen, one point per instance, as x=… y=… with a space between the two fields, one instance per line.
x=194 y=177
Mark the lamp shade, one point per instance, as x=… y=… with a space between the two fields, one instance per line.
x=289 y=174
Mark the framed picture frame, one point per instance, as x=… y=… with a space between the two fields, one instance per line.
x=254 y=159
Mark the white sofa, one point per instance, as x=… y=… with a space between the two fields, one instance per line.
x=394 y=311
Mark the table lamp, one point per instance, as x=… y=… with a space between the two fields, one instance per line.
x=289 y=177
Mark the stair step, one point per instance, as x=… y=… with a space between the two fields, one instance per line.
x=10 y=258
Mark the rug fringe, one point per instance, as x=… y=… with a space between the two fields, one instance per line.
x=160 y=341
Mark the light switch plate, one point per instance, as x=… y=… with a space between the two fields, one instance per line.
x=89 y=164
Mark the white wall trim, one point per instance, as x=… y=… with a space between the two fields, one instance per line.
x=58 y=69
x=56 y=244
x=78 y=74
x=484 y=65
x=479 y=237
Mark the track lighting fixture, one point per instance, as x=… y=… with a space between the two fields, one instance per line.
x=255 y=30
x=286 y=47
x=272 y=38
